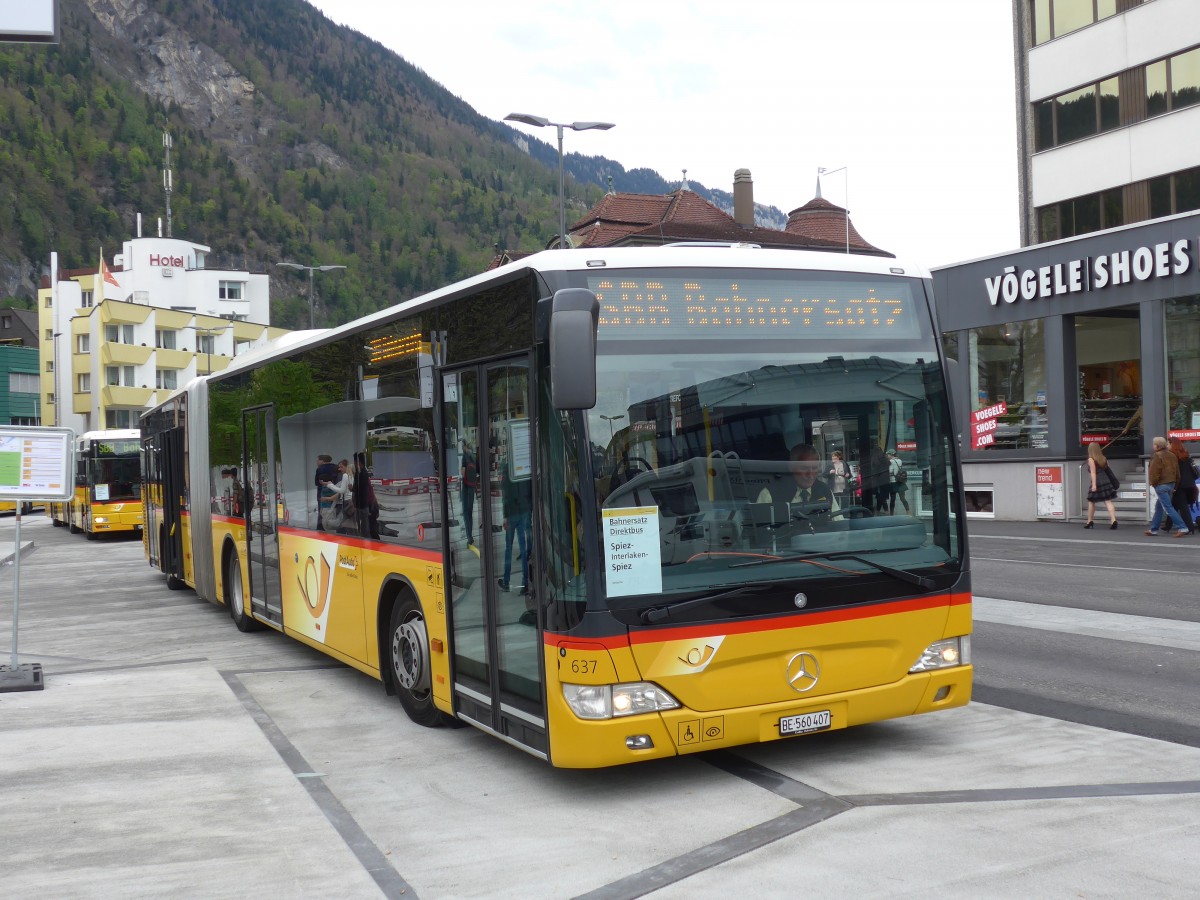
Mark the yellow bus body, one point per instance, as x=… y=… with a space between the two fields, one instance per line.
x=331 y=589
x=96 y=517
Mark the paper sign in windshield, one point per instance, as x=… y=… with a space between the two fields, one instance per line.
x=632 y=561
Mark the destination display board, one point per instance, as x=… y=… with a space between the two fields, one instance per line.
x=724 y=303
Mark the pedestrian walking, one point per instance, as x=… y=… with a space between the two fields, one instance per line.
x=1164 y=475
x=1185 y=487
x=1103 y=485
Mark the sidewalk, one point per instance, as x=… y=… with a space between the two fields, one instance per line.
x=171 y=755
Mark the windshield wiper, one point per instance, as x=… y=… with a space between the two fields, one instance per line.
x=926 y=584
x=654 y=614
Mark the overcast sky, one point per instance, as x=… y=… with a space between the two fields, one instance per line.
x=914 y=98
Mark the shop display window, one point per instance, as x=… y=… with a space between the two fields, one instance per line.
x=1007 y=365
x=1183 y=366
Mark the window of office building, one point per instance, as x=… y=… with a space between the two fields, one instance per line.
x=164 y=338
x=84 y=344
x=1081 y=215
x=230 y=290
x=1054 y=18
x=83 y=383
x=1007 y=365
x=1175 y=193
x=1077 y=114
x=1173 y=83
x=88 y=298
x=1183 y=362
x=166 y=378
x=206 y=343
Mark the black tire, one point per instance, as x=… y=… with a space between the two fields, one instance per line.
x=235 y=596
x=408 y=659
x=73 y=528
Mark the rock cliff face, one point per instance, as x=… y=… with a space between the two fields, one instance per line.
x=175 y=69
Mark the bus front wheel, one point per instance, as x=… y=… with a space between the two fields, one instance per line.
x=408 y=647
x=236 y=596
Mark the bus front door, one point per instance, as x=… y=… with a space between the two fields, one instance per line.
x=489 y=461
x=260 y=493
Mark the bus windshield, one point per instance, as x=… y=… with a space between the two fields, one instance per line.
x=116 y=478
x=747 y=456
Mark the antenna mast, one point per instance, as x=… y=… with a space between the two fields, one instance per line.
x=167 y=176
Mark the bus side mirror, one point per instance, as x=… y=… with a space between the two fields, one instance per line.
x=574 y=317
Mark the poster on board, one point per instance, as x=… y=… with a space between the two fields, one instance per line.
x=1051 y=499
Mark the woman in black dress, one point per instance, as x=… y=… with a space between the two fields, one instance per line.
x=1100 y=484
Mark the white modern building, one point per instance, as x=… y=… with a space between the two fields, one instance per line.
x=1109 y=94
x=1090 y=334
x=117 y=340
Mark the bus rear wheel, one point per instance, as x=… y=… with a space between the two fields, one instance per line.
x=236 y=596
x=408 y=649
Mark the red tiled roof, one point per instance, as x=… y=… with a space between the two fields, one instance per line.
x=684 y=215
x=822 y=220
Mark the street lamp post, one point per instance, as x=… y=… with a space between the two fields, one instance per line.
x=610 y=420
x=310 y=270
x=208 y=333
x=541 y=122
x=845 y=170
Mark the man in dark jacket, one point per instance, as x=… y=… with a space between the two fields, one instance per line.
x=1164 y=473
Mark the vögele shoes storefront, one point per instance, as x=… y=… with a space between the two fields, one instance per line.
x=1093 y=339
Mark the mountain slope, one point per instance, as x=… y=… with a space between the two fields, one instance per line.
x=305 y=142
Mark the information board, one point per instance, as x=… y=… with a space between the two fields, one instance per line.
x=36 y=463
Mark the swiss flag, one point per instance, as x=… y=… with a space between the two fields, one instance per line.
x=106 y=275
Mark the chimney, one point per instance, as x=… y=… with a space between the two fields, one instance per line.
x=743 y=198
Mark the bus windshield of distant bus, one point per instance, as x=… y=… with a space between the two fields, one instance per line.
x=762 y=427
x=114 y=470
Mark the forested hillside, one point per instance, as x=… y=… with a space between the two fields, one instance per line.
x=308 y=142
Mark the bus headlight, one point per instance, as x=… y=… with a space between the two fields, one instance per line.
x=954 y=651
x=100 y=520
x=607 y=701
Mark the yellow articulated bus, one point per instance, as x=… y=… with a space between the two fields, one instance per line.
x=590 y=502
x=108 y=485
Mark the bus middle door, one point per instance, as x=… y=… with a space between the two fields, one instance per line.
x=260 y=493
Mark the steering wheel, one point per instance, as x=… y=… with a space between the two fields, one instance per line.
x=646 y=467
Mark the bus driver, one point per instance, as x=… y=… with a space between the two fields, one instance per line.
x=806 y=488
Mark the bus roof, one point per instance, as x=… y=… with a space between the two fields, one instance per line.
x=112 y=434
x=702 y=254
